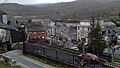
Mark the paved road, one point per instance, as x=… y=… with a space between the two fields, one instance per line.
x=25 y=61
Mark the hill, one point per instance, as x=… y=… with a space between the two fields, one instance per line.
x=77 y=9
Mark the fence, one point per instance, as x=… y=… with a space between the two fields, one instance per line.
x=56 y=54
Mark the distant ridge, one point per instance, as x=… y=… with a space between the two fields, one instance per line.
x=76 y=9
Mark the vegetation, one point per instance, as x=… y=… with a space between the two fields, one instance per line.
x=46 y=61
x=117 y=60
x=3 y=65
x=96 y=41
x=76 y=9
x=1 y=50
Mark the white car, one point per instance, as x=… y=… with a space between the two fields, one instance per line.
x=75 y=48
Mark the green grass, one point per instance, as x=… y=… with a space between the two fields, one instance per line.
x=3 y=65
x=46 y=61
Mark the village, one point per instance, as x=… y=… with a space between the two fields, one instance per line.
x=50 y=38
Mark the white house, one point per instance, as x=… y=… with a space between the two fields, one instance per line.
x=82 y=30
x=3 y=19
x=51 y=29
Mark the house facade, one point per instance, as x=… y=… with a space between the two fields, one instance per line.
x=3 y=19
x=58 y=29
x=36 y=32
x=51 y=29
x=76 y=29
x=83 y=30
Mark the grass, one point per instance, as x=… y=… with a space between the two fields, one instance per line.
x=1 y=51
x=3 y=65
x=117 y=60
x=47 y=61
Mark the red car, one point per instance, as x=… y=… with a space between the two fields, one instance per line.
x=32 y=40
x=90 y=57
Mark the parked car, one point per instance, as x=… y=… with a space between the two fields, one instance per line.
x=90 y=57
x=32 y=40
x=75 y=48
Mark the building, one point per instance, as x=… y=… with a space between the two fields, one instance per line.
x=83 y=30
x=51 y=29
x=36 y=32
x=76 y=29
x=57 y=28
x=72 y=33
x=3 y=19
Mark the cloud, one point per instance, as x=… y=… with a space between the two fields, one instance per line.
x=36 y=1
x=22 y=1
x=53 y=1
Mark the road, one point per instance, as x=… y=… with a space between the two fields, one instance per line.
x=24 y=61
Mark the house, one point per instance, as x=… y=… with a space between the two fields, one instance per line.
x=83 y=30
x=61 y=30
x=37 y=32
x=72 y=33
x=51 y=29
x=57 y=28
x=76 y=29
x=3 y=19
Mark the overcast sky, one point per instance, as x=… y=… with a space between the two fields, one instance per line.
x=34 y=1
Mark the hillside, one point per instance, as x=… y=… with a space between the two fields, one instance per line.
x=76 y=9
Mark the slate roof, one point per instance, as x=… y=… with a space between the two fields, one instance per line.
x=2 y=13
x=67 y=21
x=72 y=30
x=36 y=27
x=6 y=26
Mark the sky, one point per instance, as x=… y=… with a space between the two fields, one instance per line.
x=34 y=1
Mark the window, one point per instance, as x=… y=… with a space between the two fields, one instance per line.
x=34 y=32
x=85 y=29
x=108 y=31
x=34 y=37
x=78 y=33
x=43 y=37
x=42 y=32
x=88 y=29
x=38 y=33
x=83 y=33
x=82 y=28
x=38 y=38
x=78 y=28
x=30 y=33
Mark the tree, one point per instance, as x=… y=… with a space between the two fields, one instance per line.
x=96 y=41
x=113 y=49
